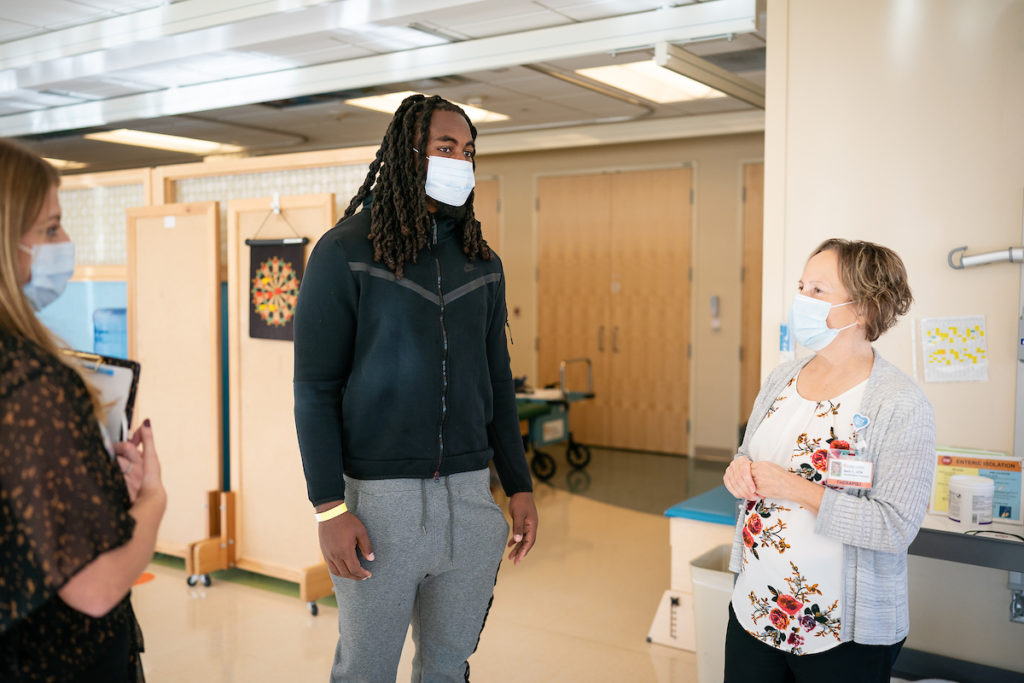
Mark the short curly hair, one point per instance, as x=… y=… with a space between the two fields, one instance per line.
x=876 y=279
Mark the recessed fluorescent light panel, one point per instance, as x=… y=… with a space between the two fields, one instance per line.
x=651 y=82
x=174 y=143
x=64 y=164
x=389 y=103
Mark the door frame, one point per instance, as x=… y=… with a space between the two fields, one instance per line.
x=750 y=353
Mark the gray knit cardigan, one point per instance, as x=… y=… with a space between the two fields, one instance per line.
x=875 y=527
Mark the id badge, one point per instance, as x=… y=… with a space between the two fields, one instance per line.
x=846 y=470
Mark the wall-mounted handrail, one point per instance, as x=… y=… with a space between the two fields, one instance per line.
x=1011 y=254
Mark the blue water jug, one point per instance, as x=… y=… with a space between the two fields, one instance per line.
x=110 y=332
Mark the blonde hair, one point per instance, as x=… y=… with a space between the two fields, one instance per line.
x=25 y=180
x=876 y=279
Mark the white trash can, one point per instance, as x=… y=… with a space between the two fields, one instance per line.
x=712 y=589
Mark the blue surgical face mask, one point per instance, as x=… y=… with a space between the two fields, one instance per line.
x=808 y=319
x=53 y=264
x=449 y=180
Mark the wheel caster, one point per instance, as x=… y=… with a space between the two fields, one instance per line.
x=314 y=609
x=205 y=578
x=542 y=465
x=191 y=581
x=578 y=455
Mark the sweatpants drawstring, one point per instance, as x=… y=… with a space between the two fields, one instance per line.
x=451 y=515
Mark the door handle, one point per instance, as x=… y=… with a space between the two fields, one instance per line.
x=615 y=339
x=600 y=339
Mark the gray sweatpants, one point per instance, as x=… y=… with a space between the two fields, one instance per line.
x=437 y=546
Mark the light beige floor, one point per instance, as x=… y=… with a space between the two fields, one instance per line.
x=578 y=609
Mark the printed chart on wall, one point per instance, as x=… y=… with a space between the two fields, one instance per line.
x=954 y=349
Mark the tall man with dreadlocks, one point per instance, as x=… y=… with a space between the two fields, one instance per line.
x=403 y=394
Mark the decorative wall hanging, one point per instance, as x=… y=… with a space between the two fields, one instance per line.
x=275 y=273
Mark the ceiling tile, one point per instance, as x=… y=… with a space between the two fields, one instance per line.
x=52 y=14
x=599 y=9
x=121 y=6
x=99 y=87
x=159 y=76
x=315 y=48
x=700 y=107
x=591 y=105
x=380 y=38
x=743 y=41
x=12 y=30
x=491 y=20
x=570 y=65
x=324 y=121
x=232 y=64
x=31 y=99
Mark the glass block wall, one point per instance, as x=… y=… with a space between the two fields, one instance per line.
x=343 y=181
x=94 y=217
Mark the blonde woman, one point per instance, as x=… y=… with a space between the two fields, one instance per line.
x=78 y=517
x=821 y=592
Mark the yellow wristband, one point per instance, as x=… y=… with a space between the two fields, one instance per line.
x=332 y=513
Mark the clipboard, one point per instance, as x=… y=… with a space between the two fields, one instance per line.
x=117 y=381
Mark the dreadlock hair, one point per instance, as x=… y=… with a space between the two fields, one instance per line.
x=399 y=220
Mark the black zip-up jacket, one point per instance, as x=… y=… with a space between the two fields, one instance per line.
x=402 y=378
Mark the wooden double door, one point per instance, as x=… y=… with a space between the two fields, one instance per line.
x=614 y=286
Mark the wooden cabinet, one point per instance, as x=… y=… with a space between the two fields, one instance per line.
x=613 y=285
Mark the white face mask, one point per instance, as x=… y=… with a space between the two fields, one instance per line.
x=53 y=264
x=449 y=180
x=808 y=319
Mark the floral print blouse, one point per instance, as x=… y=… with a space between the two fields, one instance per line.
x=63 y=502
x=789 y=591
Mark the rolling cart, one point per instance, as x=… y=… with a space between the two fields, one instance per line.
x=546 y=411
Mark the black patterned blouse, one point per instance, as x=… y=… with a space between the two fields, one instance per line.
x=63 y=502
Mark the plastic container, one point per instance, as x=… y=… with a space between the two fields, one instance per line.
x=110 y=332
x=970 y=500
x=712 y=590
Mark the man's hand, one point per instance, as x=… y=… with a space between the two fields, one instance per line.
x=739 y=480
x=339 y=538
x=524 y=525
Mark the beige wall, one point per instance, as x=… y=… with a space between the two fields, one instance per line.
x=717 y=162
x=903 y=123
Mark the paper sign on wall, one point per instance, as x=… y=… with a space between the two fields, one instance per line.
x=954 y=349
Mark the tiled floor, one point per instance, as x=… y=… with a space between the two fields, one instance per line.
x=644 y=482
x=578 y=609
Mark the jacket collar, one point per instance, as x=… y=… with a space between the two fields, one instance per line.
x=442 y=228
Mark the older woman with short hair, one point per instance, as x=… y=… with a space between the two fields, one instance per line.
x=821 y=591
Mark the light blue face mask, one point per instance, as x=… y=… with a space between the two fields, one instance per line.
x=449 y=180
x=53 y=264
x=808 y=319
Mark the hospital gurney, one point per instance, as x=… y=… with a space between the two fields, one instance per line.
x=546 y=412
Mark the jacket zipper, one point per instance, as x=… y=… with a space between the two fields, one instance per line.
x=444 y=358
